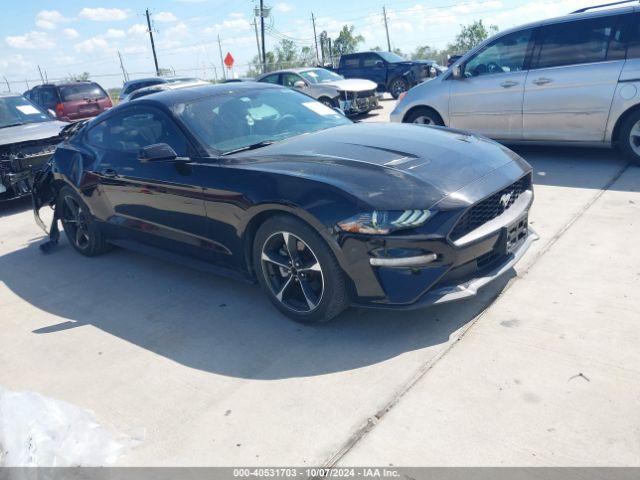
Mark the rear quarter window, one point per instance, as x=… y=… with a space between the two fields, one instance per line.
x=352 y=62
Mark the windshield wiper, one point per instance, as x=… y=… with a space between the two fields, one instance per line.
x=253 y=146
x=12 y=125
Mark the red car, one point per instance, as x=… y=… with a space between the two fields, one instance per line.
x=71 y=101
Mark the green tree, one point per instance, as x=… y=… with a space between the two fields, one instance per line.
x=470 y=36
x=346 y=41
x=286 y=54
x=424 y=52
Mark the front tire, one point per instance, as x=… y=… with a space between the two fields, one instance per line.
x=423 y=116
x=397 y=86
x=298 y=271
x=630 y=138
x=79 y=225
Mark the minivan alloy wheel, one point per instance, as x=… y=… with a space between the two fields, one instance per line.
x=292 y=272
x=424 y=120
x=75 y=222
x=634 y=138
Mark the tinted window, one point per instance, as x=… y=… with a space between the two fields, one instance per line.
x=49 y=97
x=271 y=78
x=571 y=43
x=288 y=79
x=370 y=60
x=18 y=110
x=137 y=128
x=350 y=62
x=631 y=35
x=506 y=54
x=81 y=91
x=238 y=119
x=136 y=86
x=391 y=57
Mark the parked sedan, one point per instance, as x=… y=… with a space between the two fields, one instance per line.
x=28 y=137
x=353 y=96
x=265 y=183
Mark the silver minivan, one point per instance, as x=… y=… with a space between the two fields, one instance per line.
x=569 y=80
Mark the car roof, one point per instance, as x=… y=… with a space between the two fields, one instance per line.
x=572 y=17
x=171 y=97
x=290 y=70
x=167 y=86
x=10 y=94
x=142 y=80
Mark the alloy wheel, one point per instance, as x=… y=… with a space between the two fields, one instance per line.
x=74 y=221
x=292 y=272
x=634 y=138
x=423 y=120
x=397 y=87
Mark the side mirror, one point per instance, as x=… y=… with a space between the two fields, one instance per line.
x=379 y=63
x=299 y=84
x=51 y=113
x=156 y=153
x=340 y=111
x=457 y=72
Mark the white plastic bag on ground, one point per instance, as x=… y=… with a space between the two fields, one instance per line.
x=39 y=431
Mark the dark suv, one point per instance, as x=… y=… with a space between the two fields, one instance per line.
x=71 y=101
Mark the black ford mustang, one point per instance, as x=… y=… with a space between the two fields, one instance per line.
x=265 y=182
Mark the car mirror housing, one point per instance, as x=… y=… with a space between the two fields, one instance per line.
x=156 y=153
x=340 y=111
x=379 y=63
x=299 y=84
x=457 y=72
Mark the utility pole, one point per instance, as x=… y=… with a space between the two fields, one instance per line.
x=386 y=27
x=330 y=52
x=153 y=45
x=41 y=77
x=124 y=72
x=323 y=38
x=255 y=27
x=224 y=74
x=315 y=37
x=7 y=82
x=264 y=51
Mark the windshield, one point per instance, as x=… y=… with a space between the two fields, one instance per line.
x=237 y=120
x=81 y=91
x=320 y=75
x=19 y=110
x=391 y=57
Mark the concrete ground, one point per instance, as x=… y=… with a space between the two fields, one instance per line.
x=185 y=368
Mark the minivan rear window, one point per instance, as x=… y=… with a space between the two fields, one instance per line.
x=572 y=43
x=81 y=91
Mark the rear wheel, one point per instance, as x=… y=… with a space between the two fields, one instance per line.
x=630 y=137
x=328 y=102
x=423 y=116
x=298 y=271
x=79 y=225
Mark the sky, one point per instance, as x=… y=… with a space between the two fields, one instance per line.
x=68 y=37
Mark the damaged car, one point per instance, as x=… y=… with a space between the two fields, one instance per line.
x=28 y=137
x=266 y=184
x=353 y=96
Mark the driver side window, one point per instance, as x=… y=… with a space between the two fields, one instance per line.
x=506 y=54
x=136 y=128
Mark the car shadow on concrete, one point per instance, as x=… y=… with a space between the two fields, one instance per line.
x=212 y=323
x=11 y=207
x=572 y=167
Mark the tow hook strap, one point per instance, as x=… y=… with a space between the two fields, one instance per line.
x=54 y=233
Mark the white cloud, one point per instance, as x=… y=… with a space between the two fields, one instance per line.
x=101 y=14
x=178 y=31
x=135 y=49
x=115 y=33
x=235 y=21
x=93 y=44
x=49 y=19
x=164 y=17
x=14 y=62
x=31 y=41
x=137 y=29
x=70 y=33
x=283 y=7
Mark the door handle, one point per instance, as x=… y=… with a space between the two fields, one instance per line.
x=542 y=81
x=508 y=84
x=108 y=172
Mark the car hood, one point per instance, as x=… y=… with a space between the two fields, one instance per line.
x=351 y=85
x=388 y=166
x=30 y=131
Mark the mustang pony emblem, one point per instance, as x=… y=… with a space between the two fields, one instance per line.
x=505 y=199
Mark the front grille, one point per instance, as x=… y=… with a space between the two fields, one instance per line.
x=489 y=208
